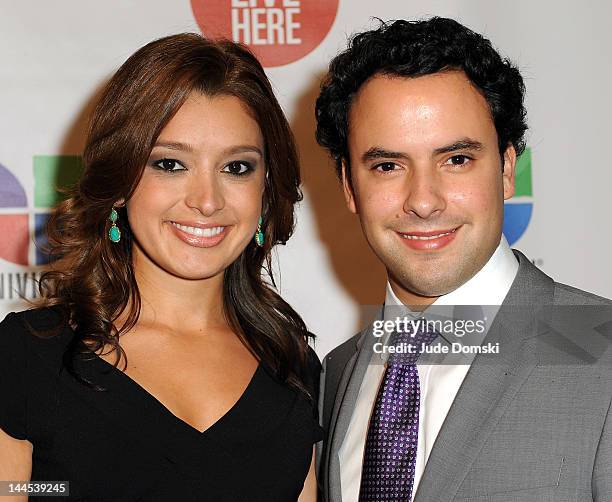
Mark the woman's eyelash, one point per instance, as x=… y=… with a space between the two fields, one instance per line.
x=235 y=168
x=238 y=168
x=168 y=165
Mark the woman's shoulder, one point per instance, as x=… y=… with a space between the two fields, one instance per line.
x=39 y=317
x=313 y=368
x=26 y=356
x=313 y=361
x=313 y=385
x=40 y=330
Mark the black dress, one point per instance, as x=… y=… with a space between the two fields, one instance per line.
x=122 y=444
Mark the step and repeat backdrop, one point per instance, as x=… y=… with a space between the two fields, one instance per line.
x=55 y=56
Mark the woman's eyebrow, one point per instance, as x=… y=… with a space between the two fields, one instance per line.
x=175 y=145
x=186 y=147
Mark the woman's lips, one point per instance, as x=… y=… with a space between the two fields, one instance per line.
x=197 y=236
x=428 y=241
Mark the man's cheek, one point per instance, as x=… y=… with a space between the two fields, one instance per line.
x=379 y=211
x=469 y=200
x=384 y=200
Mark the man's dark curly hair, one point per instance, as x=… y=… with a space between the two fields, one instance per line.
x=413 y=49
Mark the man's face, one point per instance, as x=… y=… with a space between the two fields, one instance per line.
x=427 y=180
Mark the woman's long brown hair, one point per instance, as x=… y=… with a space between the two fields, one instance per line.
x=92 y=281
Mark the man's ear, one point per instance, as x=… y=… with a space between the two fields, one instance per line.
x=509 y=171
x=347 y=186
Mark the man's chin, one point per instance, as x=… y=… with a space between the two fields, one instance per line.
x=429 y=286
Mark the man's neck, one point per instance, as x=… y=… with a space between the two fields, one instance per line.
x=487 y=287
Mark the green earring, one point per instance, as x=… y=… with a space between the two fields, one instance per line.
x=259 y=236
x=114 y=234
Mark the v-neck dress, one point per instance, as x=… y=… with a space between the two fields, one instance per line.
x=122 y=444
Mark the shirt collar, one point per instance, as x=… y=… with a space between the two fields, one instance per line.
x=487 y=288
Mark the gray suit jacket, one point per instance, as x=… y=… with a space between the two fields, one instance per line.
x=532 y=423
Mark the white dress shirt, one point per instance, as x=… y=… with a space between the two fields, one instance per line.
x=439 y=383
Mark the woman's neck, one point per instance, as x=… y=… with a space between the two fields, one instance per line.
x=183 y=304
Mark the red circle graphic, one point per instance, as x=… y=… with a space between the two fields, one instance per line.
x=277 y=31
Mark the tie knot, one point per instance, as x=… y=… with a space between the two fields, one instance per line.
x=408 y=341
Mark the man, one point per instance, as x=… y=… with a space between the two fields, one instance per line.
x=425 y=122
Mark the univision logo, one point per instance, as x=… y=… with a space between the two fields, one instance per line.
x=22 y=224
x=517 y=211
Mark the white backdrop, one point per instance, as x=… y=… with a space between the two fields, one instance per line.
x=54 y=56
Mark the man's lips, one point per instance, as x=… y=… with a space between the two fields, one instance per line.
x=429 y=241
x=427 y=235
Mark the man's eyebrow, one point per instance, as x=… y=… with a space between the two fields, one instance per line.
x=377 y=152
x=462 y=144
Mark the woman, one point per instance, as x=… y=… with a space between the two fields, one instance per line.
x=190 y=179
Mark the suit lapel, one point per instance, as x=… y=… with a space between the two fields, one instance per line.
x=344 y=405
x=490 y=384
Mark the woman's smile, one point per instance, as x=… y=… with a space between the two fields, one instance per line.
x=200 y=235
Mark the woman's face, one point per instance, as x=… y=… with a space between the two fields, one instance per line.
x=200 y=196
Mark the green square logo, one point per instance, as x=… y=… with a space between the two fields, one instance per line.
x=522 y=182
x=52 y=172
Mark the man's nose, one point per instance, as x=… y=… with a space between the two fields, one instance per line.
x=424 y=193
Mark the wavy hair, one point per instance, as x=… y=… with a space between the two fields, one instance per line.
x=413 y=49
x=92 y=280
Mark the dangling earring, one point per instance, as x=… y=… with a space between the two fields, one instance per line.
x=114 y=234
x=259 y=236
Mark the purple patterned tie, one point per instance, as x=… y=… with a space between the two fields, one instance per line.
x=391 y=443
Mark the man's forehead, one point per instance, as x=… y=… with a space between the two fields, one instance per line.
x=438 y=86
x=437 y=110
